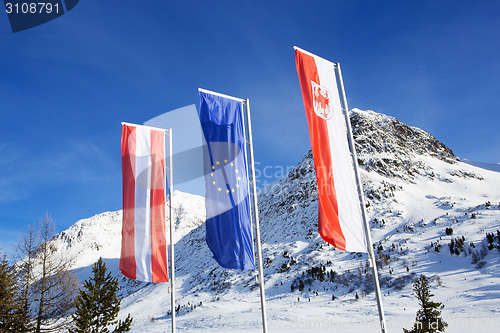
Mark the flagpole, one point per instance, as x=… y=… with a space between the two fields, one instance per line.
x=171 y=192
x=361 y=199
x=256 y=217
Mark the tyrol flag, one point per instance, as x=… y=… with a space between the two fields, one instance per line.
x=144 y=247
x=229 y=224
x=340 y=220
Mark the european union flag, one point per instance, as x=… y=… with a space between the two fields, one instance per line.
x=229 y=224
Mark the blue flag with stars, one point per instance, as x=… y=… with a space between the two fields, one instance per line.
x=229 y=224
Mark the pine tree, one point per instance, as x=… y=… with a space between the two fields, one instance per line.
x=428 y=318
x=11 y=319
x=97 y=305
x=301 y=285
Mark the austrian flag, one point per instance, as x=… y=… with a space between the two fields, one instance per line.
x=144 y=247
x=340 y=220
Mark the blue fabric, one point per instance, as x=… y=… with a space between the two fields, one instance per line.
x=227 y=201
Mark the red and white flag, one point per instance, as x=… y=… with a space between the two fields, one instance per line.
x=340 y=221
x=144 y=247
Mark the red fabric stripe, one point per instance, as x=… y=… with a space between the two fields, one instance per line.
x=158 y=233
x=328 y=219
x=127 y=257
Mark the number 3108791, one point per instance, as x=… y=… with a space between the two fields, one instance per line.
x=31 y=8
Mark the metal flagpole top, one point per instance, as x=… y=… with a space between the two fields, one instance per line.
x=150 y=127
x=221 y=95
x=336 y=64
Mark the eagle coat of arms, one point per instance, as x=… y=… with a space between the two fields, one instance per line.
x=321 y=101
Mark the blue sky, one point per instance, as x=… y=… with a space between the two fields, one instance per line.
x=65 y=86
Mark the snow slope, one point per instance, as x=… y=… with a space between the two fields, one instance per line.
x=417 y=191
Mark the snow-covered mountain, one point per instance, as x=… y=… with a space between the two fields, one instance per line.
x=430 y=214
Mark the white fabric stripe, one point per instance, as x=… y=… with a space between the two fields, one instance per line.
x=142 y=223
x=351 y=221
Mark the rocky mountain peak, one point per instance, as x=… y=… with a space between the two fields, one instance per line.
x=391 y=148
